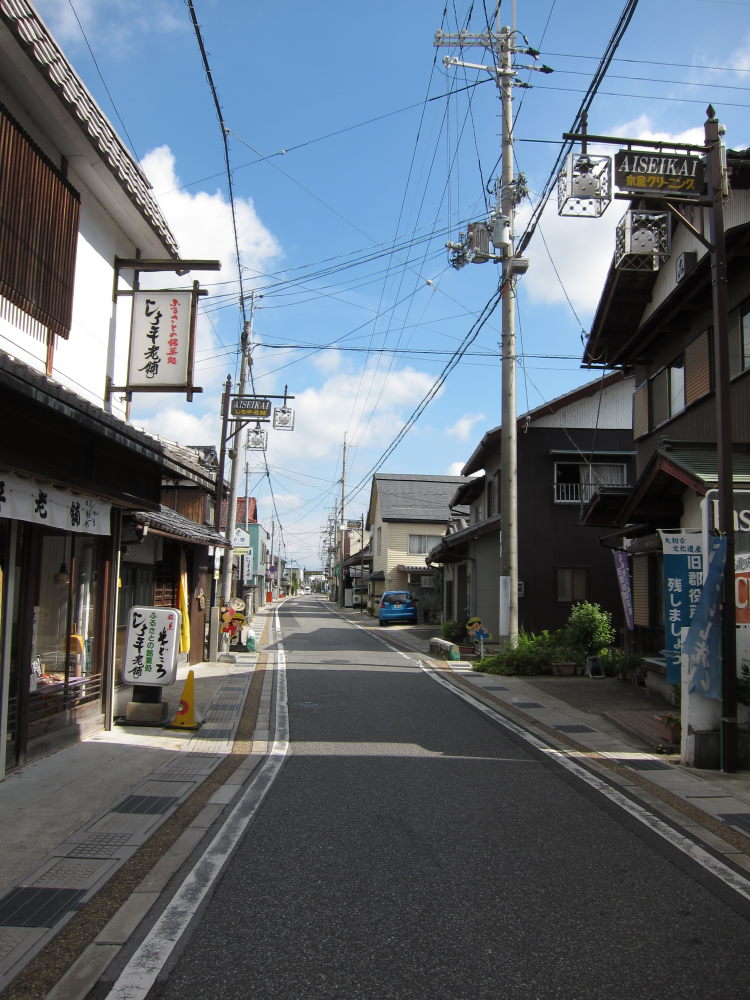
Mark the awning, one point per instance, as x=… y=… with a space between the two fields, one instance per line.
x=169 y=523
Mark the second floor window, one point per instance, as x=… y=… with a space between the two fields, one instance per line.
x=668 y=392
x=739 y=340
x=420 y=545
x=576 y=482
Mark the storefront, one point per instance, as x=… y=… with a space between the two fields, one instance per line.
x=68 y=472
x=55 y=587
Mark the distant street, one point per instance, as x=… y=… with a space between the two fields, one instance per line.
x=411 y=848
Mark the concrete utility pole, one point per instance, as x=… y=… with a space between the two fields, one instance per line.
x=236 y=454
x=342 y=527
x=502 y=42
x=508 y=443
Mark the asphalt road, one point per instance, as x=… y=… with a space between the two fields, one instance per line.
x=411 y=848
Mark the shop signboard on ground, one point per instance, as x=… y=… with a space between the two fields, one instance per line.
x=151 y=646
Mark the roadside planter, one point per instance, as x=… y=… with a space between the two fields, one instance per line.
x=670 y=728
x=564 y=669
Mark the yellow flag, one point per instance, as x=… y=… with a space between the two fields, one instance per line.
x=184 y=606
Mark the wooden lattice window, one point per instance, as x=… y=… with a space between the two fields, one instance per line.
x=39 y=213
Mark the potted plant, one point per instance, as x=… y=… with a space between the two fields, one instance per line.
x=670 y=727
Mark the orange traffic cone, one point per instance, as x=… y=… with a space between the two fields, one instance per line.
x=187 y=714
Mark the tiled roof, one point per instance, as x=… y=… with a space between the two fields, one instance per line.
x=24 y=22
x=703 y=462
x=18 y=377
x=169 y=522
x=416 y=498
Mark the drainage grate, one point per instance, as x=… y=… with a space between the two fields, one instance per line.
x=102 y=845
x=641 y=764
x=574 y=729
x=28 y=906
x=151 y=805
x=208 y=733
x=527 y=704
x=741 y=820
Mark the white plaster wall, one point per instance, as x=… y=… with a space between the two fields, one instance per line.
x=96 y=346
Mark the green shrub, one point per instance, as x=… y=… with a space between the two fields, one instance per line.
x=453 y=631
x=589 y=629
x=531 y=655
x=616 y=663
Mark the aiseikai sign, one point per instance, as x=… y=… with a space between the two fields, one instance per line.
x=662 y=174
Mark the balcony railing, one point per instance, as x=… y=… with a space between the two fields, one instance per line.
x=575 y=492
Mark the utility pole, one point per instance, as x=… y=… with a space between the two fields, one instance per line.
x=342 y=527
x=236 y=454
x=502 y=42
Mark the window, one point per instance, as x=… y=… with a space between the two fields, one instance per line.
x=420 y=545
x=681 y=383
x=379 y=537
x=490 y=497
x=576 y=482
x=668 y=392
x=739 y=340
x=571 y=584
x=38 y=230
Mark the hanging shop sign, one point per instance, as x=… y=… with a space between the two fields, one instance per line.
x=250 y=406
x=52 y=506
x=241 y=542
x=151 y=646
x=161 y=340
x=663 y=174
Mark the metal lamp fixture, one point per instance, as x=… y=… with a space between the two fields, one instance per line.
x=283 y=418
x=257 y=439
x=584 y=186
x=643 y=241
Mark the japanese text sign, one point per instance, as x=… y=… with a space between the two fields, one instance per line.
x=683 y=585
x=160 y=339
x=52 y=506
x=702 y=644
x=151 y=646
x=657 y=173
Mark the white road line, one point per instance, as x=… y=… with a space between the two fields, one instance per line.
x=739 y=883
x=142 y=970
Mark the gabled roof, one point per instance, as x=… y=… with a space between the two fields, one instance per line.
x=412 y=498
x=657 y=496
x=490 y=443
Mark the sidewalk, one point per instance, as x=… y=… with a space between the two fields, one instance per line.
x=70 y=821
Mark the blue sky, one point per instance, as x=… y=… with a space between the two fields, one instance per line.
x=343 y=233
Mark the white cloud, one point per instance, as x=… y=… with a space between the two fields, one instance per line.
x=202 y=222
x=454 y=469
x=125 y=23
x=182 y=426
x=464 y=425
